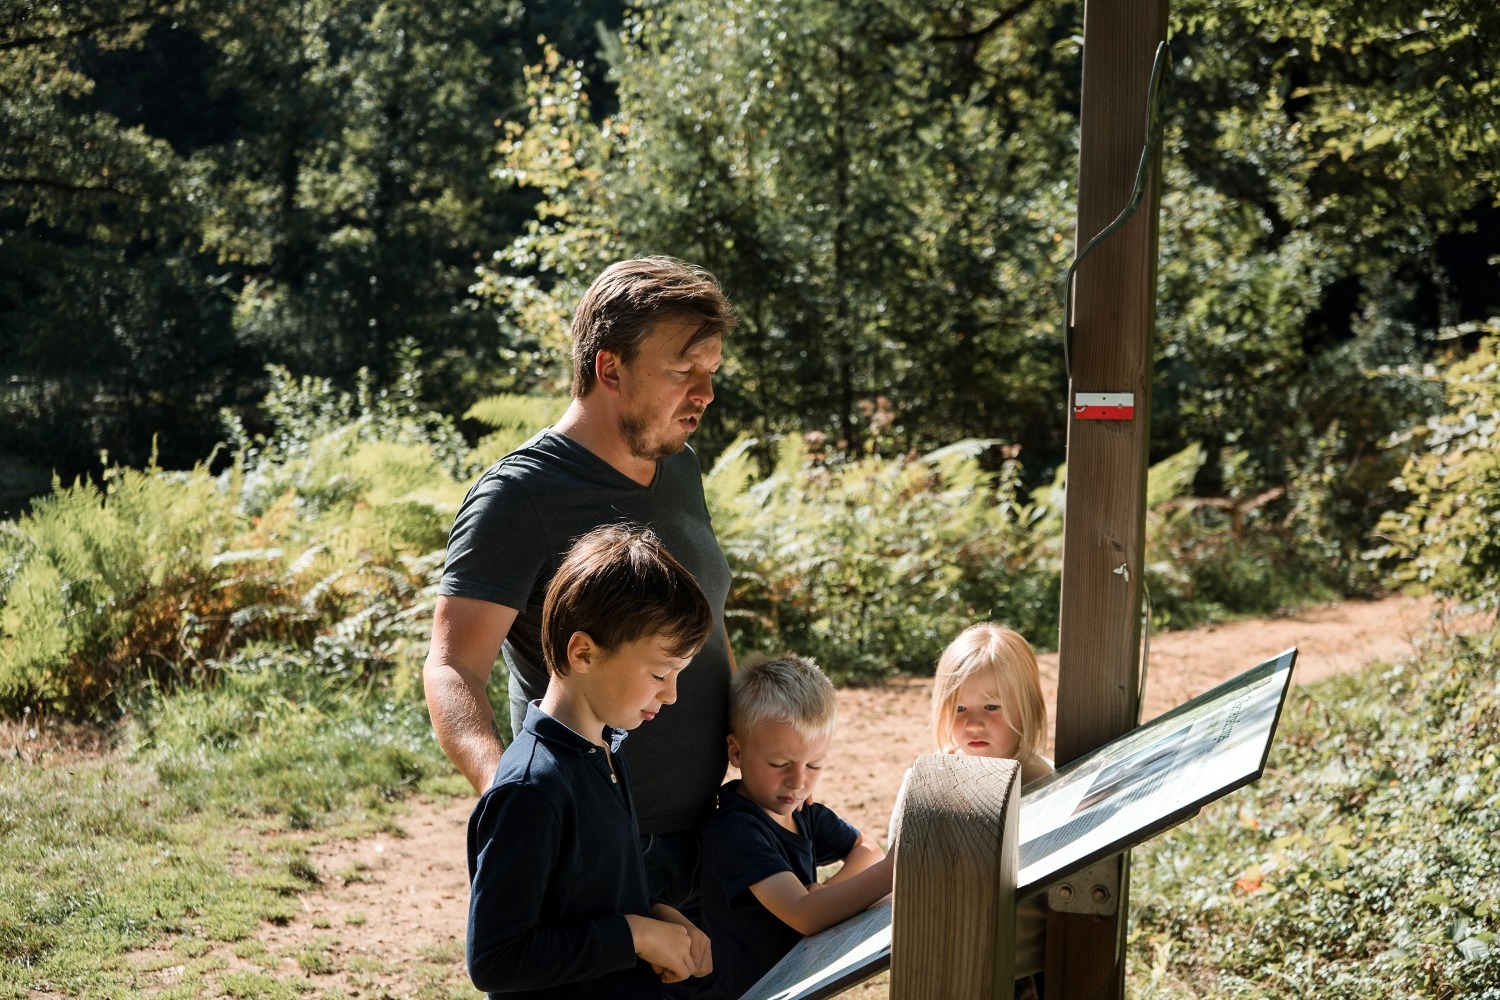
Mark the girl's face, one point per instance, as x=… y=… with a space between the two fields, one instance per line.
x=981 y=725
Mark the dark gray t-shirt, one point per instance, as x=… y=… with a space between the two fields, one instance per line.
x=512 y=532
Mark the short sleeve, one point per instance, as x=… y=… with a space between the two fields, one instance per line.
x=741 y=854
x=498 y=545
x=832 y=837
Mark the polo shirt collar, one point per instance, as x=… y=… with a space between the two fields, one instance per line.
x=545 y=727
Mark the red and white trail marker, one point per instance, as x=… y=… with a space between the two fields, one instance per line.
x=1104 y=406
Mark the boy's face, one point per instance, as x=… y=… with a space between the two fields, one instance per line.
x=982 y=725
x=779 y=767
x=629 y=685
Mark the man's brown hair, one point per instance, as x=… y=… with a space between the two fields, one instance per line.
x=619 y=584
x=627 y=301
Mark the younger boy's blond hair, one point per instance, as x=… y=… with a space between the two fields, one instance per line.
x=789 y=689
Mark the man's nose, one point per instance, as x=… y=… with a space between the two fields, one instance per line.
x=702 y=390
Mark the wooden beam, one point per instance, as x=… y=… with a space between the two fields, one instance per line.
x=953 y=928
x=1114 y=315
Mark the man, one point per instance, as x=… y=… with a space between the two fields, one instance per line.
x=647 y=340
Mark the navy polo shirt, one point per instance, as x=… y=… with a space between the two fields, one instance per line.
x=554 y=866
x=741 y=846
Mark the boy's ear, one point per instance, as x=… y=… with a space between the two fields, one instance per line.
x=734 y=750
x=583 y=652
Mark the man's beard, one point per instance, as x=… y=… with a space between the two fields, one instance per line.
x=633 y=430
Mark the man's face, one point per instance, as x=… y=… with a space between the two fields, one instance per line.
x=665 y=390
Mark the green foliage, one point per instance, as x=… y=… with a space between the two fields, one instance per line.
x=1211 y=558
x=513 y=420
x=872 y=565
x=1444 y=540
x=189 y=191
x=1362 y=864
x=778 y=144
x=321 y=539
x=100 y=585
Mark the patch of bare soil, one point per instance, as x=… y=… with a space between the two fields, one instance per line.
x=404 y=900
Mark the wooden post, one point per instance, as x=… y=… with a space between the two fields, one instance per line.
x=1114 y=313
x=953 y=927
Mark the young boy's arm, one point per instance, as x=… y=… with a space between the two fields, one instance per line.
x=808 y=912
x=865 y=853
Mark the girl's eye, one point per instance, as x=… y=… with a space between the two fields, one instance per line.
x=992 y=708
x=958 y=710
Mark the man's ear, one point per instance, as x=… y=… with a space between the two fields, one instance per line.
x=583 y=652
x=607 y=369
x=734 y=750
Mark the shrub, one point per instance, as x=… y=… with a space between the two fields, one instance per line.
x=872 y=565
x=99 y=585
x=1445 y=539
x=319 y=539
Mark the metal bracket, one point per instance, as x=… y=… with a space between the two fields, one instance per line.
x=1095 y=890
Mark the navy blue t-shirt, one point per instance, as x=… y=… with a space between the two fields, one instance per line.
x=741 y=846
x=554 y=867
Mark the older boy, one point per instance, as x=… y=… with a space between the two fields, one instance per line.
x=558 y=904
x=762 y=848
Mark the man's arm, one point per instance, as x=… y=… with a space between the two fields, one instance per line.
x=466 y=639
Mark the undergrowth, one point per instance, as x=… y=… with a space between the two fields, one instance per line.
x=1365 y=863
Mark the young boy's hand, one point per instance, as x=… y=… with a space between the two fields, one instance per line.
x=667 y=946
x=703 y=957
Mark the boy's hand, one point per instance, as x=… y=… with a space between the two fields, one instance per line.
x=703 y=957
x=666 y=946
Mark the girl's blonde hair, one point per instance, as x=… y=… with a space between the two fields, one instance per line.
x=1008 y=660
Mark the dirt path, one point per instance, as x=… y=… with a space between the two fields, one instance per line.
x=408 y=906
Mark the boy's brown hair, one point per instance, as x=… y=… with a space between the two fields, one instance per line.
x=619 y=584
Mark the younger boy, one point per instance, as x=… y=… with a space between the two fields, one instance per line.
x=761 y=850
x=558 y=903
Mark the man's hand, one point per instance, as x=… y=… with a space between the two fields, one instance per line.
x=667 y=946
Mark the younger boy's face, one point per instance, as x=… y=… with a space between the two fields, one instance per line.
x=629 y=685
x=779 y=767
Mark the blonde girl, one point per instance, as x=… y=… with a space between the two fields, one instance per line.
x=987 y=702
x=987 y=699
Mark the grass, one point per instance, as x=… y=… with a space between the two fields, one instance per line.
x=1363 y=864
x=148 y=869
